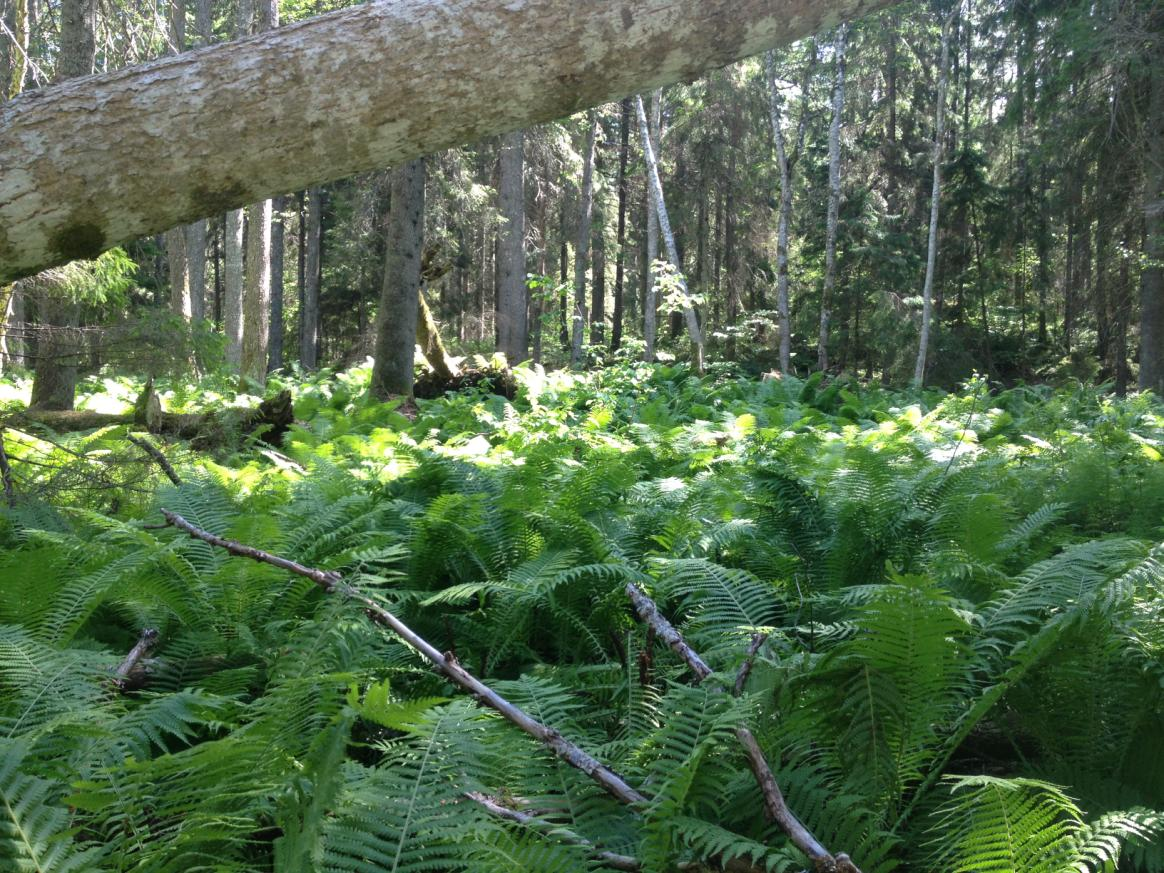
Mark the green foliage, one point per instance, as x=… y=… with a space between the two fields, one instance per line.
x=951 y=584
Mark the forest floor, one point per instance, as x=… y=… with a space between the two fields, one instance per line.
x=942 y=615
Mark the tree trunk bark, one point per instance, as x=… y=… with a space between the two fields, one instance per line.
x=396 y=320
x=312 y=274
x=278 y=240
x=513 y=322
x=582 y=242
x=830 y=275
x=342 y=93
x=598 y=271
x=196 y=268
x=256 y=303
x=233 y=285
x=650 y=296
x=620 y=255
x=180 y=303
x=693 y=328
x=1152 y=274
x=787 y=163
x=919 y=370
x=55 y=377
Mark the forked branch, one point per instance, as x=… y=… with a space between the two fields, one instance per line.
x=774 y=805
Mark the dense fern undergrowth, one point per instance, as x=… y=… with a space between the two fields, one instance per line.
x=963 y=595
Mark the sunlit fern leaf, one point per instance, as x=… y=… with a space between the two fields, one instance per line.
x=408 y=814
x=504 y=850
x=712 y=842
x=35 y=831
x=688 y=773
x=40 y=682
x=1060 y=589
x=994 y=824
x=1099 y=845
x=718 y=600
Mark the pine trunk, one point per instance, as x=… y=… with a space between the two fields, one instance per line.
x=582 y=242
x=396 y=320
x=312 y=275
x=620 y=256
x=1152 y=274
x=513 y=322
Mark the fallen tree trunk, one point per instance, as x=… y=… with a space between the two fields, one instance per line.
x=204 y=430
x=90 y=163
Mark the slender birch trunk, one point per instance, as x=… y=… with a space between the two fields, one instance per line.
x=830 y=275
x=693 y=328
x=919 y=371
x=232 y=291
x=582 y=241
x=620 y=256
x=650 y=297
x=312 y=275
x=787 y=164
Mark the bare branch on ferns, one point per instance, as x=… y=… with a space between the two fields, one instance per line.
x=494 y=807
x=156 y=453
x=129 y=668
x=649 y=612
x=775 y=807
x=332 y=582
x=758 y=641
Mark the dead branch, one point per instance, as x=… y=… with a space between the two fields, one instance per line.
x=649 y=612
x=494 y=807
x=758 y=641
x=124 y=673
x=332 y=582
x=156 y=453
x=775 y=807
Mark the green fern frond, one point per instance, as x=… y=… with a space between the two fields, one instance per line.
x=35 y=832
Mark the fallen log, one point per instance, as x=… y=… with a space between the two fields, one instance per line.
x=89 y=163
x=204 y=430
